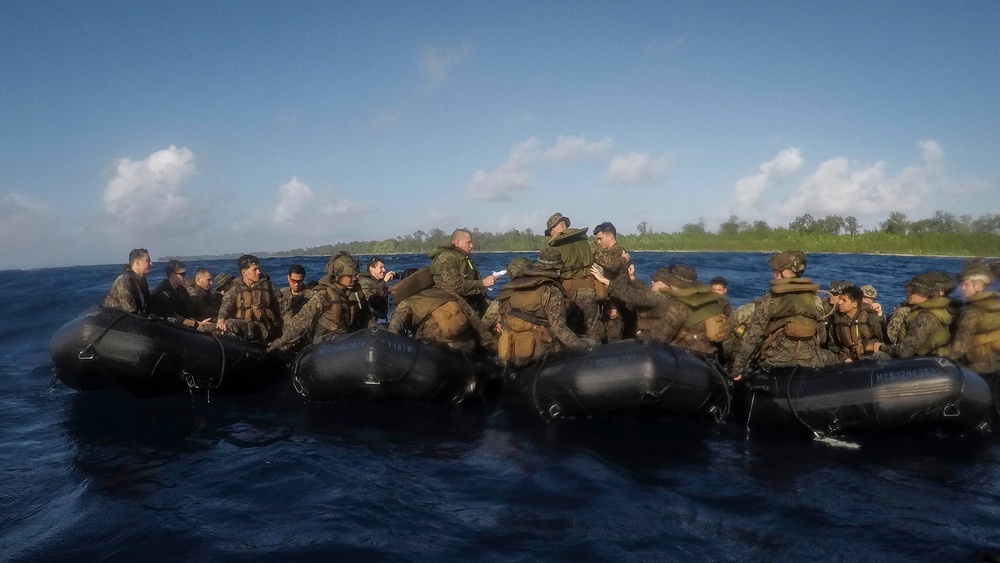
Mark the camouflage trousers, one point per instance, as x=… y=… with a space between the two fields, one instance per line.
x=584 y=314
x=786 y=351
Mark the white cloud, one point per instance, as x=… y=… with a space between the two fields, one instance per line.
x=749 y=189
x=638 y=168
x=514 y=173
x=840 y=187
x=301 y=211
x=147 y=196
x=436 y=62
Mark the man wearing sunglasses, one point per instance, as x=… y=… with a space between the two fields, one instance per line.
x=171 y=299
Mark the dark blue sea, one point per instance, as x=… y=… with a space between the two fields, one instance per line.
x=102 y=476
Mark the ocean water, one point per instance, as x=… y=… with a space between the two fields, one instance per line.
x=104 y=476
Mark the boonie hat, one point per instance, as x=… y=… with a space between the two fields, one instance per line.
x=553 y=221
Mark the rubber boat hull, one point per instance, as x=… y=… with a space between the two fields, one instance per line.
x=618 y=377
x=869 y=395
x=110 y=349
x=378 y=365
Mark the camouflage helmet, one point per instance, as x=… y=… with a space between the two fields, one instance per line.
x=869 y=291
x=931 y=284
x=549 y=258
x=793 y=260
x=677 y=275
x=342 y=264
x=517 y=267
x=976 y=269
x=838 y=287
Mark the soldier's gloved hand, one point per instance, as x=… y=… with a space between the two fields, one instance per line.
x=273 y=347
x=590 y=341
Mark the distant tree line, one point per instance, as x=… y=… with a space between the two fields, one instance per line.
x=943 y=234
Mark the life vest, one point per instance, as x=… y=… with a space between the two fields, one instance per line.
x=986 y=342
x=794 y=310
x=346 y=310
x=437 y=316
x=255 y=303
x=704 y=310
x=937 y=306
x=524 y=324
x=854 y=332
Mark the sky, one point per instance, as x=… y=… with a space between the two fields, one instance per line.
x=194 y=128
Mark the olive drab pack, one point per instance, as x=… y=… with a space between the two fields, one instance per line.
x=705 y=309
x=436 y=311
x=524 y=329
x=575 y=252
x=795 y=311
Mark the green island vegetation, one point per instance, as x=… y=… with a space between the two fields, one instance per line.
x=943 y=234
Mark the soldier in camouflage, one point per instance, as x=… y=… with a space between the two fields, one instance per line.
x=130 y=291
x=337 y=306
x=676 y=309
x=249 y=309
x=453 y=269
x=296 y=295
x=204 y=302
x=579 y=284
x=977 y=340
x=612 y=260
x=515 y=269
x=786 y=324
x=440 y=315
x=533 y=314
x=854 y=325
x=926 y=327
x=374 y=283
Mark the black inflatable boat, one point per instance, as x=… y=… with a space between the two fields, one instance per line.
x=897 y=394
x=378 y=365
x=107 y=348
x=625 y=376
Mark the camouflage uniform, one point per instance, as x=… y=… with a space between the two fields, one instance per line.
x=251 y=313
x=290 y=304
x=894 y=329
x=453 y=270
x=332 y=309
x=532 y=312
x=580 y=287
x=129 y=293
x=204 y=302
x=612 y=264
x=790 y=300
x=926 y=329
x=660 y=315
x=377 y=293
x=977 y=341
x=169 y=302
x=739 y=320
x=439 y=315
